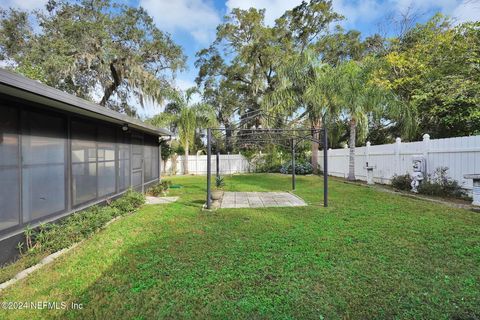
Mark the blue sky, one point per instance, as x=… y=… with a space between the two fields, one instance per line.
x=192 y=23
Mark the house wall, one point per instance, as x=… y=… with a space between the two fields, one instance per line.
x=54 y=163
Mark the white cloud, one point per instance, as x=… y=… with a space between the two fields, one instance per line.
x=354 y=12
x=184 y=84
x=152 y=108
x=359 y=11
x=444 y=6
x=197 y=17
x=274 y=8
x=467 y=11
x=461 y=10
x=23 y=4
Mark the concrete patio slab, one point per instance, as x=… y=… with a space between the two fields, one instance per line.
x=160 y=200
x=260 y=200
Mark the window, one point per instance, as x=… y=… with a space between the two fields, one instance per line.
x=106 y=161
x=151 y=159
x=84 y=162
x=84 y=184
x=43 y=165
x=137 y=161
x=94 y=155
x=9 y=170
x=43 y=139
x=137 y=178
x=147 y=152
x=155 y=162
x=43 y=191
x=123 y=162
x=9 y=198
x=8 y=137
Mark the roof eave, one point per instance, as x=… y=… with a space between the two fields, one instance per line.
x=19 y=86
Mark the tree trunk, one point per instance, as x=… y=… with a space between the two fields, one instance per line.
x=110 y=89
x=351 y=162
x=174 y=164
x=165 y=166
x=185 y=159
x=315 y=126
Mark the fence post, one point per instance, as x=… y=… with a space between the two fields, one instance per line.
x=242 y=162
x=426 y=149
x=398 y=146
x=209 y=168
x=293 y=162
x=229 y=163
x=325 y=165
x=329 y=155
x=345 y=172
x=367 y=153
x=367 y=159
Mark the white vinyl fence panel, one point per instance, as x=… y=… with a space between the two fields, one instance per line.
x=461 y=155
x=197 y=164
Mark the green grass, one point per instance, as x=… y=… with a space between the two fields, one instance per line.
x=369 y=255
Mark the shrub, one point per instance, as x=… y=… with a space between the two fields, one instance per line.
x=300 y=168
x=160 y=188
x=440 y=184
x=267 y=168
x=402 y=182
x=51 y=237
x=270 y=161
x=129 y=202
x=219 y=182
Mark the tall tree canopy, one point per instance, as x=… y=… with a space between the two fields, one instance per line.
x=247 y=52
x=307 y=87
x=96 y=49
x=186 y=118
x=435 y=68
x=360 y=98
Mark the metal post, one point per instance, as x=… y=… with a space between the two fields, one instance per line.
x=209 y=167
x=218 y=162
x=293 y=164
x=325 y=165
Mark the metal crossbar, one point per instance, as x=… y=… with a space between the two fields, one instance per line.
x=250 y=136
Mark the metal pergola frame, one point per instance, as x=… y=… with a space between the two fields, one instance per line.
x=295 y=137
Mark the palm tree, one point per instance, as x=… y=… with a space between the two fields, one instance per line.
x=359 y=97
x=309 y=87
x=186 y=119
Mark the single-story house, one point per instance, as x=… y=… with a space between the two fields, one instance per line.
x=60 y=154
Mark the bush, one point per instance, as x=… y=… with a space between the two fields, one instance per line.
x=267 y=168
x=440 y=184
x=300 y=168
x=129 y=202
x=270 y=161
x=51 y=237
x=160 y=188
x=402 y=182
x=219 y=182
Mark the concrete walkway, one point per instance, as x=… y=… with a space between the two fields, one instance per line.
x=260 y=200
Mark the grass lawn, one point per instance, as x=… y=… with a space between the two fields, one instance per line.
x=369 y=255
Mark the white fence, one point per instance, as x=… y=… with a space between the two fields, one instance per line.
x=461 y=155
x=197 y=164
